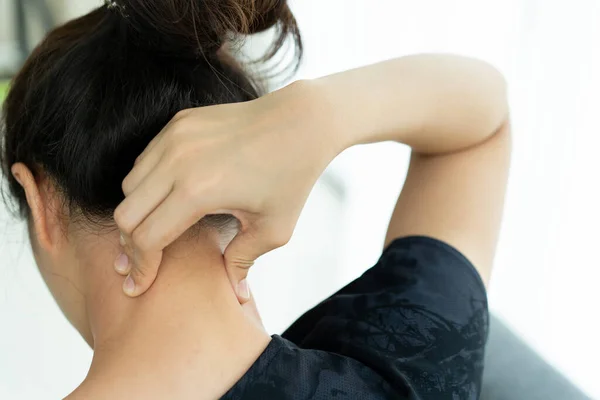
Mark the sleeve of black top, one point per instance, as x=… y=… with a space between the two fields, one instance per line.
x=419 y=317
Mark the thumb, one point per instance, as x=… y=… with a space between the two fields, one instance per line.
x=142 y=274
x=240 y=255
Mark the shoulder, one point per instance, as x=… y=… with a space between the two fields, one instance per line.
x=286 y=371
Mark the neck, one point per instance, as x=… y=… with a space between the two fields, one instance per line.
x=187 y=337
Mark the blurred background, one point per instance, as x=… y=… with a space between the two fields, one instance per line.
x=547 y=269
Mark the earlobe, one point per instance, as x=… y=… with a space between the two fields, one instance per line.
x=36 y=203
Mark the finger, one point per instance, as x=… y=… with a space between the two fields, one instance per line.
x=240 y=256
x=140 y=203
x=155 y=141
x=143 y=273
x=160 y=137
x=145 y=162
x=162 y=227
x=141 y=169
x=142 y=268
x=122 y=264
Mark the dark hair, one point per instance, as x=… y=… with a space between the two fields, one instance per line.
x=96 y=90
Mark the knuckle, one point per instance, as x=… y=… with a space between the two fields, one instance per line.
x=178 y=129
x=189 y=192
x=279 y=238
x=174 y=152
x=181 y=114
x=240 y=263
x=145 y=270
x=126 y=185
x=140 y=275
x=120 y=216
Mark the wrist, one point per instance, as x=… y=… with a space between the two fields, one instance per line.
x=314 y=117
x=331 y=122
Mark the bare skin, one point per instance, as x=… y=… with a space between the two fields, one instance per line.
x=258 y=161
x=190 y=335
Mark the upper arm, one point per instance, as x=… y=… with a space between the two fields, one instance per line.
x=457 y=198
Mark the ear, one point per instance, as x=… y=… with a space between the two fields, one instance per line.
x=42 y=220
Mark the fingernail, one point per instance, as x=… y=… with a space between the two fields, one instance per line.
x=122 y=263
x=129 y=286
x=243 y=289
x=122 y=240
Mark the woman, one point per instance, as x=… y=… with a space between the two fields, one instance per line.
x=95 y=94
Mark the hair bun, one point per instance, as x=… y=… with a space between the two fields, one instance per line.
x=193 y=28
x=268 y=14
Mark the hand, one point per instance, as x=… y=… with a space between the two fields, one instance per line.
x=257 y=161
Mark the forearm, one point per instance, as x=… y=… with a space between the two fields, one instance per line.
x=432 y=103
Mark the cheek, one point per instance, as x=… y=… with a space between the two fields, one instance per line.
x=62 y=278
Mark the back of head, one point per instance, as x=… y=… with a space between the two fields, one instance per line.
x=96 y=91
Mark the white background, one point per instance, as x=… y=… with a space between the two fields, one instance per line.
x=547 y=267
